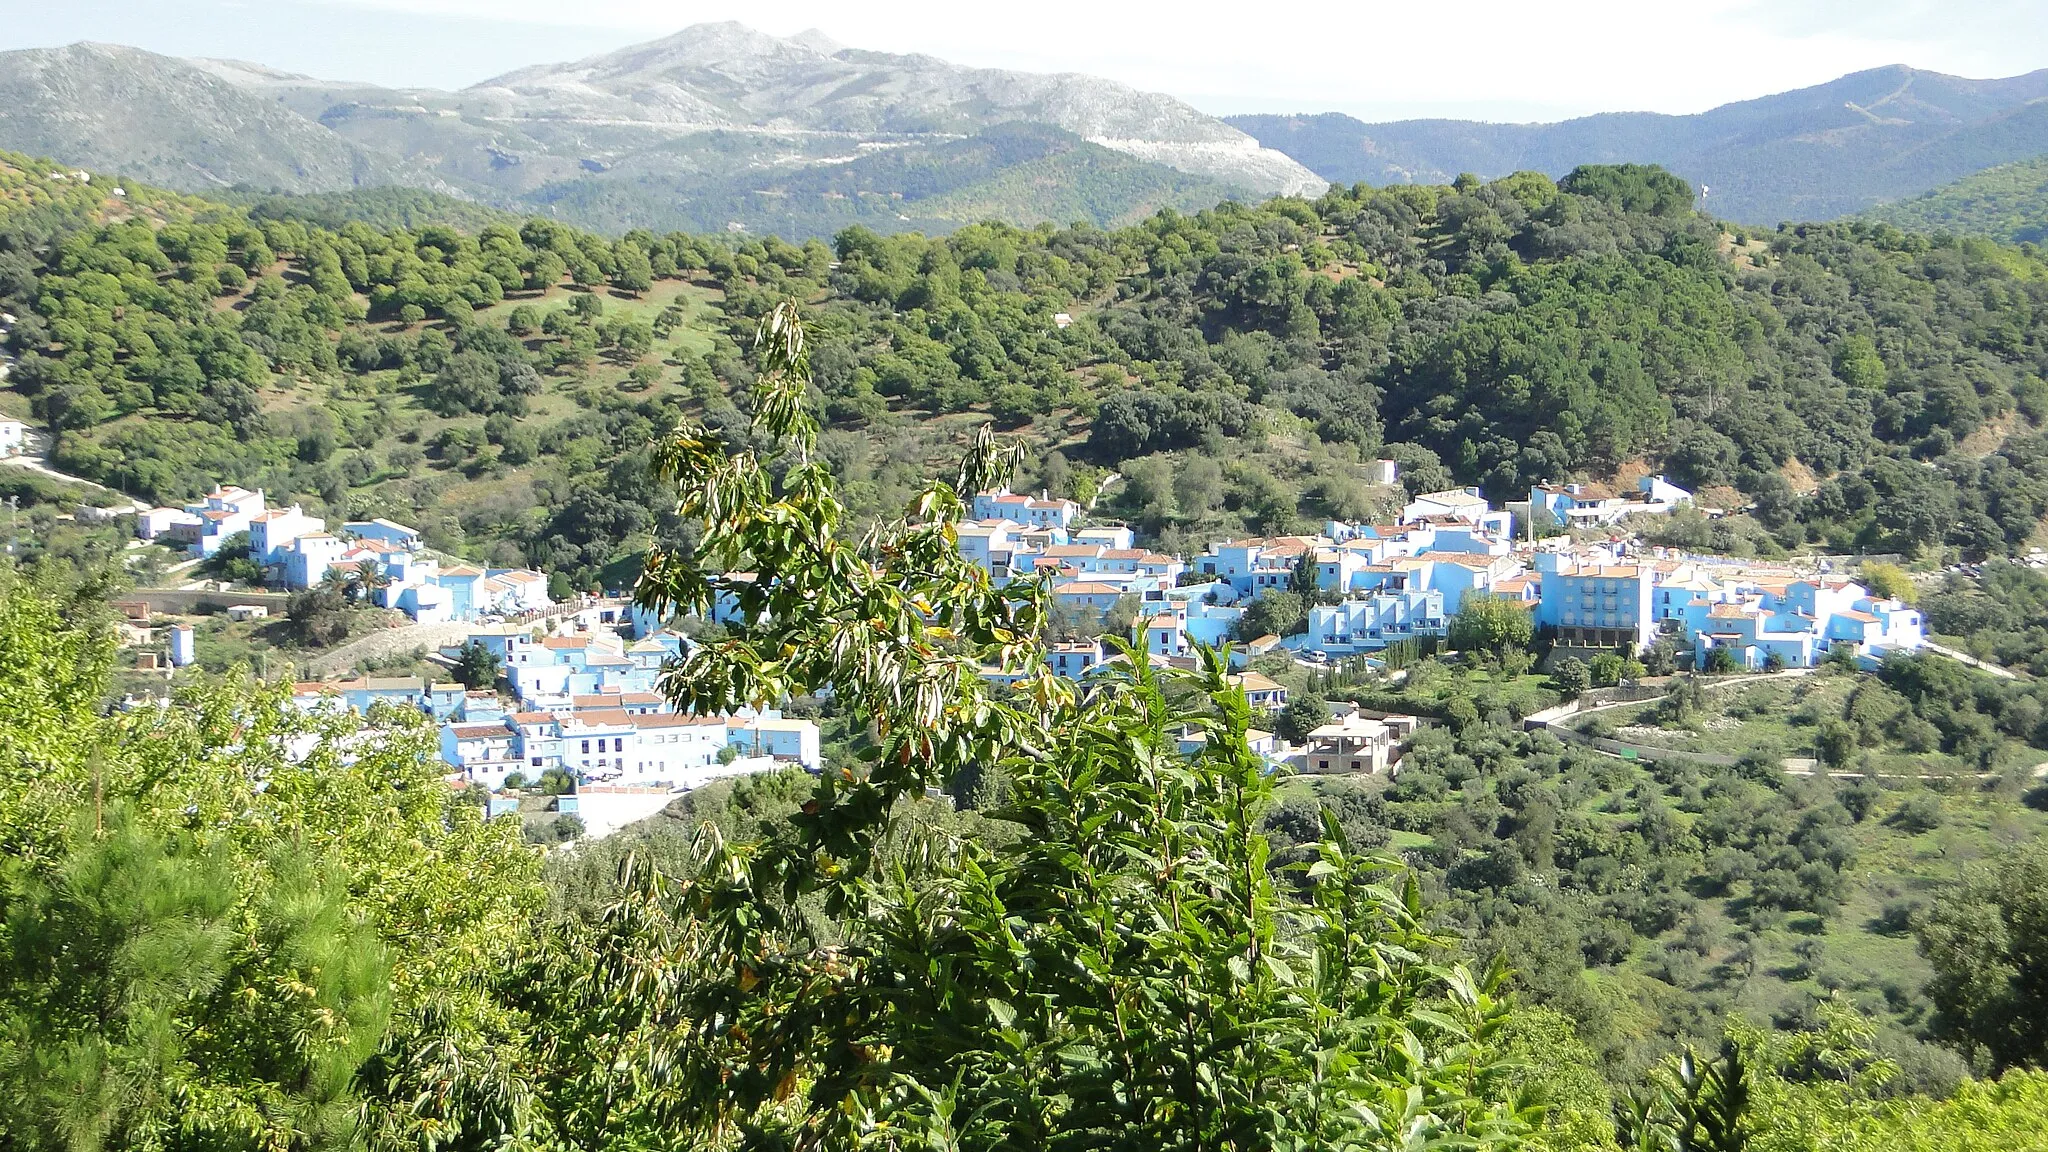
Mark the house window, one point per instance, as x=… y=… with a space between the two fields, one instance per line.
x=1323 y=764
x=586 y=746
x=536 y=761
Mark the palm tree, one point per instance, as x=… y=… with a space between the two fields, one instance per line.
x=366 y=578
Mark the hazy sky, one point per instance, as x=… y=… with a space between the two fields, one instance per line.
x=1491 y=59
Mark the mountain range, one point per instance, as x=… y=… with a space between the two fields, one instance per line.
x=722 y=127
x=719 y=126
x=1817 y=153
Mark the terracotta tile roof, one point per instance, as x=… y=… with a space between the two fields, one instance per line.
x=479 y=731
x=1087 y=588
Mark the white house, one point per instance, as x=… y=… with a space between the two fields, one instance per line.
x=13 y=437
x=1357 y=745
x=1458 y=503
x=306 y=560
x=776 y=736
x=168 y=524
x=484 y=753
x=224 y=512
x=1002 y=504
x=1107 y=535
x=385 y=530
x=272 y=532
x=1589 y=505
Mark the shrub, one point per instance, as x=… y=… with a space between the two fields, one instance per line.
x=1920 y=812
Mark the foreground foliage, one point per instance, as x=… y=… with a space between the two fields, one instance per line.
x=1124 y=974
x=222 y=925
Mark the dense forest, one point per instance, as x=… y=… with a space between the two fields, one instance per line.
x=1848 y=387
x=2008 y=203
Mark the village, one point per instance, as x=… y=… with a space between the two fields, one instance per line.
x=1586 y=581
x=572 y=697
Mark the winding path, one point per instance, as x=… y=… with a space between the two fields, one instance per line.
x=34 y=462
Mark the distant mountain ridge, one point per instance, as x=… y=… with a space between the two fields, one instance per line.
x=721 y=126
x=1816 y=153
x=119 y=109
x=717 y=126
x=730 y=76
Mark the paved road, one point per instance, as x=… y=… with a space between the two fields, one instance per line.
x=1972 y=661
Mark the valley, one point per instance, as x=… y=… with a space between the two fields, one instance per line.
x=743 y=592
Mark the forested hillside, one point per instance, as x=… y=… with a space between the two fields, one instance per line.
x=1853 y=386
x=1012 y=171
x=2008 y=203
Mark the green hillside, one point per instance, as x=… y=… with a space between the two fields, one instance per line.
x=1862 y=942
x=383 y=207
x=1019 y=172
x=1238 y=366
x=2008 y=203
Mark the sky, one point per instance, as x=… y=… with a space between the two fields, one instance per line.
x=1377 y=60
